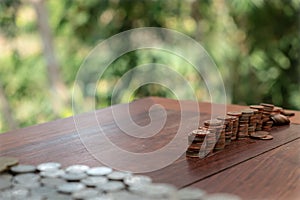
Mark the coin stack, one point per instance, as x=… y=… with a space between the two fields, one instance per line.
x=201 y=143
x=215 y=126
x=252 y=121
x=227 y=122
x=277 y=110
x=259 y=121
x=235 y=120
x=244 y=123
x=48 y=181
x=267 y=111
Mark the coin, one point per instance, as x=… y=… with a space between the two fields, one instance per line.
x=85 y=193
x=52 y=182
x=70 y=187
x=8 y=161
x=118 y=175
x=50 y=166
x=137 y=180
x=52 y=173
x=73 y=176
x=93 y=181
x=268 y=137
x=15 y=193
x=3 y=167
x=191 y=194
x=222 y=196
x=77 y=168
x=23 y=168
x=43 y=192
x=27 y=178
x=99 y=171
x=111 y=186
x=4 y=184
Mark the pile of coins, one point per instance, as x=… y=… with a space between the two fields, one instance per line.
x=255 y=122
x=48 y=181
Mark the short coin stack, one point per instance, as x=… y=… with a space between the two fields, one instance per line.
x=227 y=122
x=48 y=181
x=201 y=142
x=267 y=111
x=216 y=126
x=235 y=123
x=258 y=114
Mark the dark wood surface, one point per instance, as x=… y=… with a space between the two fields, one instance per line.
x=252 y=169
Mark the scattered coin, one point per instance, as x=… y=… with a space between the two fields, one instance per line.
x=4 y=184
x=86 y=193
x=268 y=137
x=111 y=186
x=191 y=194
x=23 y=168
x=259 y=134
x=52 y=173
x=77 y=169
x=52 y=182
x=73 y=176
x=50 y=166
x=8 y=161
x=93 y=181
x=3 y=168
x=137 y=180
x=27 y=178
x=99 y=171
x=70 y=187
x=118 y=175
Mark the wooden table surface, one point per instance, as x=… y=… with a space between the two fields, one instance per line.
x=251 y=169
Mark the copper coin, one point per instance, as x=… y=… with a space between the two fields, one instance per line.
x=259 y=134
x=268 y=137
x=8 y=161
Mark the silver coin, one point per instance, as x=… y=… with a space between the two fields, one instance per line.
x=58 y=196
x=26 y=178
x=73 y=176
x=23 y=169
x=49 y=166
x=43 y=192
x=137 y=180
x=6 y=177
x=99 y=171
x=4 y=184
x=125 y=195
x=102 y=197
x=222 y=196
x=111 y=186
x=191 y=194
x=20 y=193
x=77 y=168
x=26 y=185
x=52 y=182
x=158 y=190
x=118 y=175
x=70 y=187
x=52 y=173
x=93 y=181
x=86 y=193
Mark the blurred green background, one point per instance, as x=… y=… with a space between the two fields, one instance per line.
x=255 y=44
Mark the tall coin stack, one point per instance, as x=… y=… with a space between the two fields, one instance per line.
x=252 y=121
x=218 y=128
x=244 y=123
x=201 y=143
x=235 y=123
x=228 y=127
x=267 y=111
x=258 y=115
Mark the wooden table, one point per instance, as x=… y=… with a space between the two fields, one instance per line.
x=252 y=169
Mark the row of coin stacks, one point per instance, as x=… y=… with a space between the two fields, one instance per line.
x=217 y=133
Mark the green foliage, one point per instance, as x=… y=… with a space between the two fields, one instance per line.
x=254 y=43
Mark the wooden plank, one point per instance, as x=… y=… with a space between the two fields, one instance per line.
x=272 y=175
x=59 y=140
